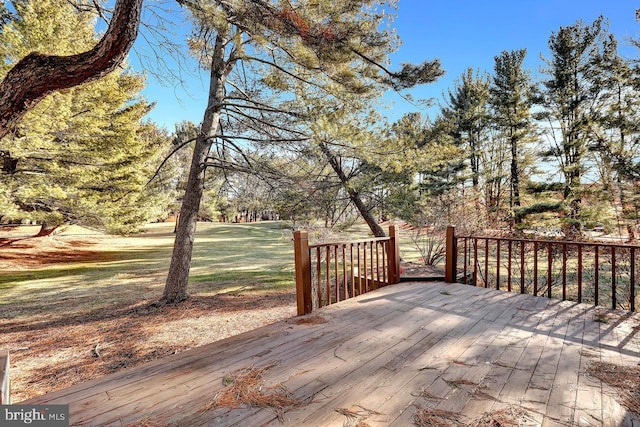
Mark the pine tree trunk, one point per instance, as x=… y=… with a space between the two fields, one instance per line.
x=515 y=178
x=45 y=230
x=37 y=75
x=353 y=195
x=175 y=289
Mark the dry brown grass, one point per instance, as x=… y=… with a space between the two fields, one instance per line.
x=510 y=416
x=427 y=417
x=309 y=320
x=246 y=388
x=146 y=422
x=356 y=415
x=625 y=379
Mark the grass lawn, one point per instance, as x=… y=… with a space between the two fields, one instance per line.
x=89 y=271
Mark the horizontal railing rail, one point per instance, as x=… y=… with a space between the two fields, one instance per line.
x=328 y=273
x=593 y=272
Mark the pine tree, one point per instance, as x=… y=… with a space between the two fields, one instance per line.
x=570 y=99
x=333 y=51
x=84 y=155
x=467 y=111
x=37 y=74
x=616 y=128
x=511 y=99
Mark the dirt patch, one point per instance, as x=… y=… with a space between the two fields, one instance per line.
x=27 y=253
x=422 y=271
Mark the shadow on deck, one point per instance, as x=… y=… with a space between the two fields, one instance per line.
x=379 y=357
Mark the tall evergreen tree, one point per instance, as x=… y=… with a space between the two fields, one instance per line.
x=512 y=93
x=616 y=129
x=467 y=111
x=337 y=49
x=82 y=156
x=37 y=75
x=570 y=98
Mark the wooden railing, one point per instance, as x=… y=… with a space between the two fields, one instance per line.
x=328 y=273
x=597 y=273
x=4 y=378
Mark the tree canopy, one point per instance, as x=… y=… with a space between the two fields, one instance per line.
x=38 y=74
x=83 y=155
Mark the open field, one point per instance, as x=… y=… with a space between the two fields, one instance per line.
x=79 y=304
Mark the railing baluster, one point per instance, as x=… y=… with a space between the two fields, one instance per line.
x=475 y=262
x=464 y=267
x=328 y=278
x=358 y=268
x=365 y=288
x=319 y=277
x=522 y=266
x=564 y=272
x=596 y=279
x=510 y=247
x=377 y=282
x=486 y=263
x=344 y=272
x=579 y=273
x=498 y=242
x=632 y=280
x=335 y=270
x=353 y=278
x=549 y=267
x=372 y=283
x=613 y=277
x=385 y=262
x=535 y=269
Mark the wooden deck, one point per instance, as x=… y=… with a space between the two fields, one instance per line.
x=382 y=356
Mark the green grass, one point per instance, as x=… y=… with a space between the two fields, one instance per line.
x=227 y=258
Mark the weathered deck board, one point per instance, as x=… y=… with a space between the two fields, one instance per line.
x=383 y=355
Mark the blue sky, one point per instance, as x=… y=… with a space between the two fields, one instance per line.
x=461 y=33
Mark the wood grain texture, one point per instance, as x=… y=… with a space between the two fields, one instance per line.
x=381 y=356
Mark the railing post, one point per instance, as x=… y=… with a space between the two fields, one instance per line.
x=5 y=398
x=451 y=257
x=303 y=271
x=394 y=255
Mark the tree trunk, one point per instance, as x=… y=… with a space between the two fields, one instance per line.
x=515 y=177
x=9 y=164
x=45 y=230
x=175 y=289
x=37 y=75
x=353 y=195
